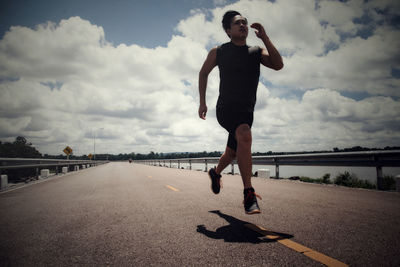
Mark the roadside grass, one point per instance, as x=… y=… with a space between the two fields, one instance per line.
x=323 y=180
x=389 y=182
x=351 y=180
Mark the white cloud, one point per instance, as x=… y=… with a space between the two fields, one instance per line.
x=341 y=14
x=358 y=65
x=325 y=119
x=61 y=83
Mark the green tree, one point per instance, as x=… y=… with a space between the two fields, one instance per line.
x=20 y=148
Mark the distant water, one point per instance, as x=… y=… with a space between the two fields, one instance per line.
x=363 y=173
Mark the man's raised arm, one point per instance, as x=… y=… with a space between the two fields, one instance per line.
x=270 y=57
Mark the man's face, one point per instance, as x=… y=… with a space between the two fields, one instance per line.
x=238 y=28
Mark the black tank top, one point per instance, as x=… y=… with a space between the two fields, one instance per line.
x=239 y=72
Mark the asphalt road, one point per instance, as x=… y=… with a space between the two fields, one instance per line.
x=122 y=214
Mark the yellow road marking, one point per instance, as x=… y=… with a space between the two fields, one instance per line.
x=315 y=255
x=295 y=246
x=172 y=188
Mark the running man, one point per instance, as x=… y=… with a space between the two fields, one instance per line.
x=239 y=71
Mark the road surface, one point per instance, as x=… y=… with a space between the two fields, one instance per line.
x=122 y=214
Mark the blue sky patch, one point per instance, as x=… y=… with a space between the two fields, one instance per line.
x=53 y=85
x=9 y=79
x=395 y=72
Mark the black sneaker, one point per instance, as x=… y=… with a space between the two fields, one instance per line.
x=215 y=180
x=250 y=201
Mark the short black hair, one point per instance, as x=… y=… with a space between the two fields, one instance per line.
x=227 y=19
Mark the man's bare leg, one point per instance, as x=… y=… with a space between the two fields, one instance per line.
x=215 y=173
x=226 y=159
x=243 y=153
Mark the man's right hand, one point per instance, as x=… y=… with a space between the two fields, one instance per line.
x=203 y=111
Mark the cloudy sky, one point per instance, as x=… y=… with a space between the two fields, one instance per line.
x=127 y=72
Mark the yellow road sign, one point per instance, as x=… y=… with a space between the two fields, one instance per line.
x=68 y=150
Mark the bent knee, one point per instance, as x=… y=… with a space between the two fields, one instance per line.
x=243 y=134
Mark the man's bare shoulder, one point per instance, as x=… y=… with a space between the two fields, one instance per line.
x=212 y=55
x=213 y=50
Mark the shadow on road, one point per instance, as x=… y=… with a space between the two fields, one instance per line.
x=237 y=231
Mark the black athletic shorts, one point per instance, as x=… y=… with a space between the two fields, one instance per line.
x=230 y=120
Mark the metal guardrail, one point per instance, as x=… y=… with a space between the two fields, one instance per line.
x=10 y=165
x=23 y=163
x=377 y=159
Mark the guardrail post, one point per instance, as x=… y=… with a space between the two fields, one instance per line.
x=379 y=178
x=170 y=163
x=205 y=161
x=276 y=169
x=4 y=181
x=179 y=164
x=190 y=165
x=44 y=173
x=233 y=168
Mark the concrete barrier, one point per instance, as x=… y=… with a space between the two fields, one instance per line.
x=263 y=173
x=44 y=173
x=88 y=166
x=398 y=183
x=64 y=169
x=76 y=168
x=4 y=181
x=83 y=166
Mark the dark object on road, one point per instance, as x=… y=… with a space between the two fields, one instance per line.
x=239 y=231
x=130 y=160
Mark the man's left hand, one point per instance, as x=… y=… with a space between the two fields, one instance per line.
x=260 y=32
